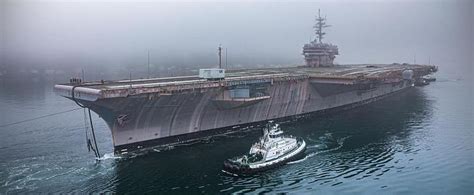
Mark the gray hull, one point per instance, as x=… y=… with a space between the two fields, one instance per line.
x=147 y=119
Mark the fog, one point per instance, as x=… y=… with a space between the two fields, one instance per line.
x=111 y=39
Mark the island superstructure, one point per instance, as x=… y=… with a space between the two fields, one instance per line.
x=157 y=111
x=316 y=53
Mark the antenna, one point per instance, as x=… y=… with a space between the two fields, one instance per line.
x=414 y=59
x=220 y=56
x=83 y=77
x=148 y=64
x=319 y=26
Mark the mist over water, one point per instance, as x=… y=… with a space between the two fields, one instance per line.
x=109 y=40
x=416 y=142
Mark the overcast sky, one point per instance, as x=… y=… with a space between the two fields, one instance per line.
x=109 y=33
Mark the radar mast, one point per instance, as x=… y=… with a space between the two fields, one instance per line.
x=319 y=26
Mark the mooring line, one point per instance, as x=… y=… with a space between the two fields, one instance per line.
x=40 y=117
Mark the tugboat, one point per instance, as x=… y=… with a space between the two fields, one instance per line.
x=272 y=150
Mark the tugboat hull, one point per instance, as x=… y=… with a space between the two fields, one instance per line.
x=248 y=169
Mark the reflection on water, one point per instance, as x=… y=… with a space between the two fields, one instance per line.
x=396 y=145
x=343 y=147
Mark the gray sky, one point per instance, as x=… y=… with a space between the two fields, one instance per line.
x=107 y=33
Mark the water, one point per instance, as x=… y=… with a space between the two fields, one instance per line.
x=418 y=142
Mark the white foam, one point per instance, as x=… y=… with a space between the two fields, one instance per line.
x=235 y=175
x=109 y=156
x=299 y=160
x=340 y=142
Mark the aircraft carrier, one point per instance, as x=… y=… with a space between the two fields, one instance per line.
x=158 y=111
